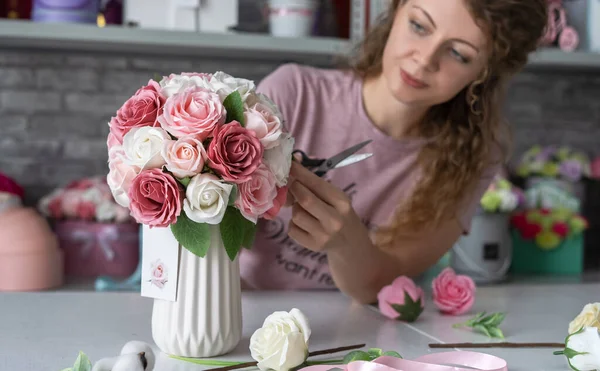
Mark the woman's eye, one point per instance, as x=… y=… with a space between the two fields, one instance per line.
x=458 y=56
x=417 y=27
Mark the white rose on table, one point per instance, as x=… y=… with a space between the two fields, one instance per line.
x=282 y=342
x=279 y=158
x=588 y=317
x=206 y=199
x=106 y=211
x=176 y=83
x=582 y=349
x=143 y=147
x=224 y=84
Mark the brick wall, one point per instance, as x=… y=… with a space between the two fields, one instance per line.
x=54 y=108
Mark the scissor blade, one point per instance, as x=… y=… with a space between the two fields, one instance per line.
x=353 y=159
x=332 y=162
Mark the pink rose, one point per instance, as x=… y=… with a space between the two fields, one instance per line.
x=403 y=300
x=70 y=202
x=278 y=203
x=155 y=198
x=235 y=152
x=185 y=157
x=158 y=272
x=257 y=194
x=194 y=112
x=120 y=175
x=142 y=109
x=112 y=141
x=453 y=294
x=86 y=210
x=264 y=123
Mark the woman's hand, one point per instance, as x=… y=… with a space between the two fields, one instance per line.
x=322 y=214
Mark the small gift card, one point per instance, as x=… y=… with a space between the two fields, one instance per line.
x=160 y=263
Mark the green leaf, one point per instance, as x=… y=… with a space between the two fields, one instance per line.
x=496 y=332
x=357 y=355
x=233 y=195
x=82 y=363
x=482 y=329
x=235 y=108
x=410 y=310
x=184 y=181
x=375 y=352
x=206 y=362
x=193 y=236
x=157 y=77
x=249 y=235
x=391 y=353
x=233 y=231
x=493 y=320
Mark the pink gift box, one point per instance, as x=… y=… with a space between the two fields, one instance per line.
x=95 y=249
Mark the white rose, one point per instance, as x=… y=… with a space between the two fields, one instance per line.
x=206 y=199
x=582 y=349
x=259 y=98
x=508 y=200
x=282 y=342
x=106 y=211
x=143 y=147
x=224 y=84
x=174 y=84
x=279 y=158
x=588 y=317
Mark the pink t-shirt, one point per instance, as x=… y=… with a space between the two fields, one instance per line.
x=324 y=112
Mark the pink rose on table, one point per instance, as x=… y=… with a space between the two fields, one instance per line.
x=193 y=112
x=453 y=294
x=256 y=196
x=155 y=198
x=235 y=152
x=142 y=109
x=278 y=203
x=184 y=157
x=264 y=123
x=86 y=210
x=402 y=300
x=120 y=175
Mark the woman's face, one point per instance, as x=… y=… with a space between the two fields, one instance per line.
x=435 y=49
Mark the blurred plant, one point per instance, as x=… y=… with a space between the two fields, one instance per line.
x=554 y=162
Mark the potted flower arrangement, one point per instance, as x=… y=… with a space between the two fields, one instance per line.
x=485 y=253
x=97 y=236
x=560 y=166
x=548 y=241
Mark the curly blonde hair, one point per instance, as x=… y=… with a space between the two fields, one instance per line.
x=467 y=127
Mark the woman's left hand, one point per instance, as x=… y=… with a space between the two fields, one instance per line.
x=322 y=214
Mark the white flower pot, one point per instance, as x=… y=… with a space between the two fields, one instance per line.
x=484 y=254
x=206 y=318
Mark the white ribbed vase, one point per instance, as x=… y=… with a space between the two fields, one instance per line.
x=206 y=319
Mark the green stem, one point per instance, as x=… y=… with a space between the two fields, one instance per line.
x=325 y=362
x=207 y=362
x=559 y=352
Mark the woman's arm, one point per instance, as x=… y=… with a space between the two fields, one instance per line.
x=324 y=220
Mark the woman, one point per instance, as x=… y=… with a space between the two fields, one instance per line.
x=426 y=88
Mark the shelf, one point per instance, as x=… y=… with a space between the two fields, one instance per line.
x=117 y=39
x=559 y=58
x=86 y=37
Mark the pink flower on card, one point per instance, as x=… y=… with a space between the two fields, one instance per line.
x=235 y=152
x=193 y=112
x=158 y=273
x=142 y=109
x=453 y=294
x=278 y=203
x=155 y=198
x=264 y=123
x=256 y=196
x=185 y=157
x=403 y=300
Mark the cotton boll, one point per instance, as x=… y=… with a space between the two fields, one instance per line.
x=130 y=362
x=136 y=347
x=105 y=364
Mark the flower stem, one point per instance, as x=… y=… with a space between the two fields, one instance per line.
x=206 y=362
x=317 y=353
x=325 y=362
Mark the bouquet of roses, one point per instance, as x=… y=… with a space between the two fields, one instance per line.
x=194 y=149
x=88 y=199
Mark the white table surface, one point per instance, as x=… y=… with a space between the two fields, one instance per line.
x=45 y=331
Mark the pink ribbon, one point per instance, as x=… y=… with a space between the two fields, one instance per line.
x=106 y=236
x=444 y=361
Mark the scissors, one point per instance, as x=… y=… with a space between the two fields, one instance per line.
x=320 y=166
